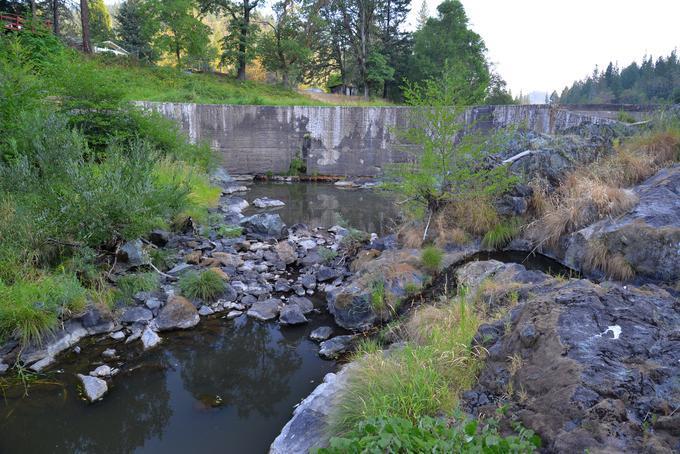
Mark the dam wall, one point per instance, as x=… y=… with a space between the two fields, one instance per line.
x=347 y=141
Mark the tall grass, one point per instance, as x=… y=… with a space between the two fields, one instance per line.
x=424 y=378
x=203 y=285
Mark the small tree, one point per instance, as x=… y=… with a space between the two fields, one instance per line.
x=451 y=165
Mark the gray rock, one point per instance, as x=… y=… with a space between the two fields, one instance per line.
x=234 y=314
x=308 y=281
x=234 y=189
x=265 y=310
x=281 y=285
x=109 y=353
x=327 y=273
x=136 y=315
x=309 y=427
x=321 y=333
x=153 y=303
x=178 y=313
x=179 y=268
x=94 y=388
x=205 y=311
x=118 y=335
x=264 y=226
x=266 y=202
x=101 y=371
x=305 y=303
x=133 y=253
x=291 y=314
x=3 y=367
x=150 y=339
x=334 y=347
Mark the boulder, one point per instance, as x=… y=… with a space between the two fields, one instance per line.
x=227 y=259
x=150 y=339
x=645 y=239
x=133 y=254
x=266 y=202
x=309 y=427
x=159 y=237
x=334 y=347
x=265 y=310
x=612 y=353
x=101 y=371
x=264 y=226
x=178 y=313
x=93 y=388
x=327 y=273
x=136 y=314
x=321 y=333
x=291 y=314
x=305 y=303
x=286 y=252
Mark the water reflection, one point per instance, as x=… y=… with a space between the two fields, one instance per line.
x=226 y=387
x=324 y=205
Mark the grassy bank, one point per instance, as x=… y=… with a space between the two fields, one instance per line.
x=81 y=172
x=158 y=83
x=406 y=398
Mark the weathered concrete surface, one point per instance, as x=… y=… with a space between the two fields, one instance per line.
x=353 y=141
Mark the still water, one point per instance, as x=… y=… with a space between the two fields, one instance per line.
x=225 y=386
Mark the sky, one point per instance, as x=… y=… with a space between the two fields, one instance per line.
x=543 y=45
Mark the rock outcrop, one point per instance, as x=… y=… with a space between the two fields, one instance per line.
x=587 y=366
x=646 y=239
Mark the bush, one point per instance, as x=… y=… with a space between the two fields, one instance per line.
x=431 y=257
x=399 y=435
x=204 y=285
x=327 y=254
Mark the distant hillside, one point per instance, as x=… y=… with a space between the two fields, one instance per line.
x=650 y=82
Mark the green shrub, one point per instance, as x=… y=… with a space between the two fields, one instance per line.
x=327 y=254
x=229 y=231
x=204 y=285
x=501 y=234
x=399 y=435
x=431 y=258
x=297 y=167
x=130 y=284
x=411 y=288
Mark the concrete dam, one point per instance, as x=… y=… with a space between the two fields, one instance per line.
x=346 y=141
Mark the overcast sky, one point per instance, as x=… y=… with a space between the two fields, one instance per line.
x=546 y=44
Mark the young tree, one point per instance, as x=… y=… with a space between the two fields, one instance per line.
x=238 y=43
x=450 y=165
x=285 y=48
x=100 y=20
x=181 y=31
x=134 y=29
x=423 y=15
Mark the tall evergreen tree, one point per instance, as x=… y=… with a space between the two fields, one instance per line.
x=134 y=31
x=395 y=42
x=100 y=21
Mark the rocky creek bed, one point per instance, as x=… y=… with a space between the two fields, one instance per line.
x=251 y=356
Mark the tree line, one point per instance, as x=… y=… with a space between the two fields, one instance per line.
x=363 y=44
x=650 y=82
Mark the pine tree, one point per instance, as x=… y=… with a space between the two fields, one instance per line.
x=134 y=30
x=423 y=15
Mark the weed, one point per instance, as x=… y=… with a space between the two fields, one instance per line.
x=625 y=117
x=229 y=231
x=204 y=285
x=411 y=288
x=327 y=254
x=431 y=259
x=163 y=259
x=297 y=167
x=378 y=298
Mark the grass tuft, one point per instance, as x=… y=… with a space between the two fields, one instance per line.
x=614 y=266
x=501 y=234
x=204 y=285
x=422 y=378
x=431 y=258
x=130 y=284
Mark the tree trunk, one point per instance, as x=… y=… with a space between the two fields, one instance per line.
x=85 y=21
x=178 y=54
x=33 y=8
x=242 y=43
x=364 y=52
x=55 y=17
